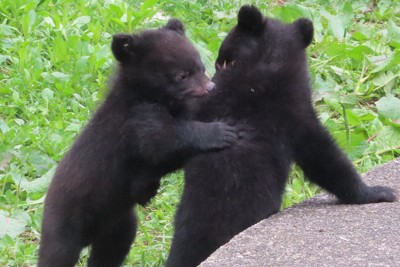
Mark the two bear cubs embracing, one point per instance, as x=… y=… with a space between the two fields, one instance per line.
x=163 y=113
x=138 y=135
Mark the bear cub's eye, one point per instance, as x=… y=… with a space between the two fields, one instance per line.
x=181 y=76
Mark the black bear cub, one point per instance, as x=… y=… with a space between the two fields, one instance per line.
x=136 y=136
x=262 y=82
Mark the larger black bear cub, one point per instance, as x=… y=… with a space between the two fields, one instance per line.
x=262 y=82
x=134 y=138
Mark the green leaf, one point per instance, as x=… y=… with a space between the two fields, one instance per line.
x=39 y=185
x=11 y=226
x=40 y=161
x=332 y=99
x=47 y=94
x=352 y=118
x=49 y=21
x=82 y=63
x=385 y=80
x=387 y=61
x=389 y=107
x=60 y=75
x=356 y=145
x=359 y=36
x=147 y=4
x=290 y=12
x=364 y=114
x=103 y=52
x=347 y=14
x=358 y=52
x=3 y=126
x=388 y=138
x=74 y=126
x=393 y=33
x=297 y=185
x=27 y=21
x=335 y=24
x=81 y=21
x=349 y=101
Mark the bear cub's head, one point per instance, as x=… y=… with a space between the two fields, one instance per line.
x=161 y=64
x=258 y=41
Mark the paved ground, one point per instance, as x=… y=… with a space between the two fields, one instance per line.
x=318 y=232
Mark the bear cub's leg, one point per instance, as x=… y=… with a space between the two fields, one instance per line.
x=113 y=243
x=325 y=164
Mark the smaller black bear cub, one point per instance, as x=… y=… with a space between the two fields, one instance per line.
x=262 y=82
x=136 y=136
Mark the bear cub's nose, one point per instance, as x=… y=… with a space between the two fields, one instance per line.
x=210 y=86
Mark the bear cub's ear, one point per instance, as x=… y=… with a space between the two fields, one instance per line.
x=122 y=46
x=250 y=18
x=175 y=25
x=306 y=29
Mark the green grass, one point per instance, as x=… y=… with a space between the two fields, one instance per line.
x=55 y=61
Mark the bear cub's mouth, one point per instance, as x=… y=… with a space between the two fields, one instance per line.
x=226 y=65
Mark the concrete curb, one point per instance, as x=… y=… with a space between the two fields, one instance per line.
x=318 y=232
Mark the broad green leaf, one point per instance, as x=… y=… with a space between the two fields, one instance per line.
x=332 y=99
x=27 y=21
x=60 y=75
x=385 y=80
x=389 y=107
x=103 y=52
x=47 y=94
x=387 y=61
x=352 y=118
x=388 y=138
x=335 y=24
x=394 y=33
x=349 y=100
x=290 y=12
x=19 y=122
x=354 y=144
x=364 y=114
x=40 y=161
x=4 y=58
x=340 y=71
x=5 y=160
x=49 y=21
x=39 y=185
x=17 y=177
x=3 y=126
x=81 y=21
x=74 y=126
x=116 y=9
x=336 y=49
x=11 y=226
x=387 y=121
x=358 y=52
x=359 y=36
x=358 y=146
x=347 y=14
x=147 y=4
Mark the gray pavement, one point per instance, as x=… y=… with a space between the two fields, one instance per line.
x=319 y=232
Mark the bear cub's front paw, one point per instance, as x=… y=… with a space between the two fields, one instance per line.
x=221 y=135
x=373 y=194
x=381 y=194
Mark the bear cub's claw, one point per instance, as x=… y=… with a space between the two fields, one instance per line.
x=381 y=194
x=373 y=194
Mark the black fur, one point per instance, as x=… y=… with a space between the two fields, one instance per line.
x=262 y=82
x=133 y=139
